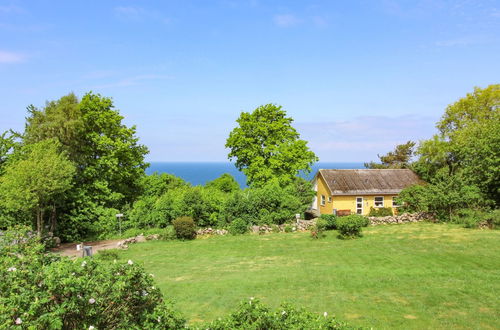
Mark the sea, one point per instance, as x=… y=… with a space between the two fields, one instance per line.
x=199 y=173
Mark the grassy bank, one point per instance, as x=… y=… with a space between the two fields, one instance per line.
x=400 y=276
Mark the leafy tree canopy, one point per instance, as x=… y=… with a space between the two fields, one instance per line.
x=266 y=146
x=399 y=158
x=225 y=183
x=32 y=182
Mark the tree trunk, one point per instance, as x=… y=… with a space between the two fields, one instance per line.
x=53 y=218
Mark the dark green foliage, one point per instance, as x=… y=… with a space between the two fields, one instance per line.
x=109 y=160
x=318 y=230
x=111 y=254
x=225 y=183
x=238 y=226
x=331 y=221
x=288 y=228
x=155 y=185
x=185 y=228
x=269 y=204
x=444 y=196
x=253 y=314
x=350 y=226
x=45 y=291
x=479 y=218
x=266 y=147
x=380 y=211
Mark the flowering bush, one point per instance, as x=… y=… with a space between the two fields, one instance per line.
x=44 y=291
x=254 y=315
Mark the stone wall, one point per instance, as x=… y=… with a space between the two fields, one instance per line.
x=403 y=218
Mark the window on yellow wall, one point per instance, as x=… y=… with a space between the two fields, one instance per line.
x=322 y=199
x=329 y=199
x=379 y=201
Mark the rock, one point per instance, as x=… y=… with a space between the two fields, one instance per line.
x=57 y=241
x=140 y=239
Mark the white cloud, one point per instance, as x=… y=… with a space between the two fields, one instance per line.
x=132 y=13
x=362 y=138
x=286 y=20
x=11 y=57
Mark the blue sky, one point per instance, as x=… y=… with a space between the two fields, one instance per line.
x=358 y=77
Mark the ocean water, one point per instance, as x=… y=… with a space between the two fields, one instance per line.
x=199 y=173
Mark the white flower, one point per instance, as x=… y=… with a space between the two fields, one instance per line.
x=152 y=275
x=12 y=269
x=283 y=313
x=91 y=300
x=144 y=293
x=152 y=287
x=130 y=262
x=84 y=263
x=159 y=319
x=91 y=327
x=73 y=274
x=325 y=314
x=19 y=321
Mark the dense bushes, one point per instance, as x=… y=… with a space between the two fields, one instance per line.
x=254 y=315
x=238 y=226
x=45 y=291
x=331 y=221
x=350 y=226
x=479 y=218
x=380 y=212
x=216 y=206
x=185 y=228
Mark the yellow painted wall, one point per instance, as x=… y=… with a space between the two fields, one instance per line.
x=349 y=203
x=323 y=190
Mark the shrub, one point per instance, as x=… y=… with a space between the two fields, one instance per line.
x=479 y=218
x=288 y=228
x=254 y=315
x=238 y=226
x=331 y=221
x=350 y=226
x=380 y=212
x=184 y=228
x=276 y=228
x=111 y=254
x=318 y=230
x=168 y=234
x=44 y=291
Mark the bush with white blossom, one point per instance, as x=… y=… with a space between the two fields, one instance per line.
x=45 y=291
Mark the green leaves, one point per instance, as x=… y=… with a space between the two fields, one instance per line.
x=267 y=147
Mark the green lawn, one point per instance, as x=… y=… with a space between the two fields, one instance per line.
x=399 y=276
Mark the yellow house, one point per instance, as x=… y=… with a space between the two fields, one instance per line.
x=356 y=191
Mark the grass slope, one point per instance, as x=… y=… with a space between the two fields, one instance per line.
x=401 y=276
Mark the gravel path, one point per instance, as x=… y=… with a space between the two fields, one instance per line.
x=69 y=249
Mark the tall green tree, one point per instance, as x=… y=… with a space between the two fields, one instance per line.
x=34 y=181
x=468 y=141
x=399 y=158
x=108 y=157
x=266 y=147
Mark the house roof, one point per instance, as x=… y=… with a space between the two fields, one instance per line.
x=368 y=181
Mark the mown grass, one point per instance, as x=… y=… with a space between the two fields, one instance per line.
x=400 y=276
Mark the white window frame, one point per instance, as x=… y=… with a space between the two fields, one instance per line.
x=375 y=201
x=362 y=208
x=323 y=200
x=329 y=199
